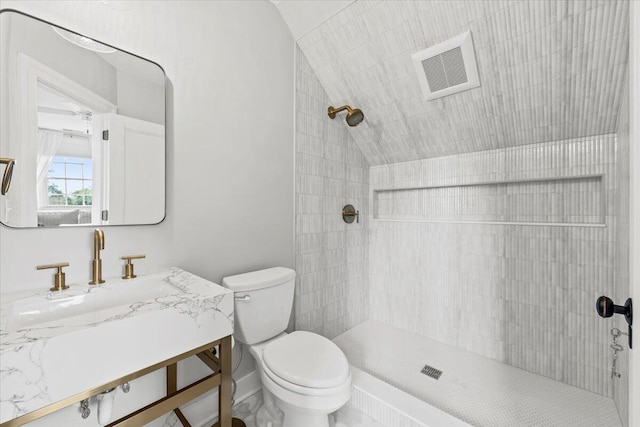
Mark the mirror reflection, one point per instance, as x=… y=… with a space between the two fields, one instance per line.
x=85 y=124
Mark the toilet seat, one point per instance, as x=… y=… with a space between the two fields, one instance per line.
x=307 y=359
x=305 y=362
x=305 y=391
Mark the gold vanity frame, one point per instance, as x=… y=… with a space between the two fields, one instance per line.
x=221 y=377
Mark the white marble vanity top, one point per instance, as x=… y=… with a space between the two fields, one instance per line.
x=56 y=344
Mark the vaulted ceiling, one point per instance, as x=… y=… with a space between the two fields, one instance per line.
x=549 y=70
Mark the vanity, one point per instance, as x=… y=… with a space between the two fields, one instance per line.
x=58 y=348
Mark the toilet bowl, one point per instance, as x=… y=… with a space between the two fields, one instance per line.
x=304 y=376
x=306 y=392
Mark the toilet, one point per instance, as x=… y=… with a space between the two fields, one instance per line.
x=305 y=376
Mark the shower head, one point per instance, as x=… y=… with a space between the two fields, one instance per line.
x=354 y=115
x=6 y=176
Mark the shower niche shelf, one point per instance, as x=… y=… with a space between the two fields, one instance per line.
x=558 y=201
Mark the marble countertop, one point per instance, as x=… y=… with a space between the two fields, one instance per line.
x=45 y=360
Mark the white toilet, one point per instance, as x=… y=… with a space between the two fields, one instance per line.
x=305 y=376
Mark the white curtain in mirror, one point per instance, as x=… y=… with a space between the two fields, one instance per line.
x=48 y=147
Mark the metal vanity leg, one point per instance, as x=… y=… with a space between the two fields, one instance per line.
x=224 y=397
x=172 y=387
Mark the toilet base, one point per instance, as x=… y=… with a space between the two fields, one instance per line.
x=292 y=419
x=296 y=419
x=276 y=413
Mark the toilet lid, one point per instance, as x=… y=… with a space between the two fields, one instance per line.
x=307 y=359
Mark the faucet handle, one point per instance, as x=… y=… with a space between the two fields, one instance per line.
x=59 y=277
x=128 y=268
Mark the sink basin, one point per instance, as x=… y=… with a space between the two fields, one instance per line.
x=54 y=345
x=60 y=309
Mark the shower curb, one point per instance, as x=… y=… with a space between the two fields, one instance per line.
x=393 y=407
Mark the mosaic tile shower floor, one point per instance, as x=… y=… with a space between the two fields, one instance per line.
x=475 y=389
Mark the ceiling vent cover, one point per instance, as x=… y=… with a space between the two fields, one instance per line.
x=448 y=67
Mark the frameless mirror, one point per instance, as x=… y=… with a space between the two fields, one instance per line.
x=84 y=123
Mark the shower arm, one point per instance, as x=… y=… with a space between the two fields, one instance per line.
x=332 y=111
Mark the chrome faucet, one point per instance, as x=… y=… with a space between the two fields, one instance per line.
x=98 y=245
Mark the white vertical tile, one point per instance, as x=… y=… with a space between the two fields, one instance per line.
x=331 y=256
x=449 y=281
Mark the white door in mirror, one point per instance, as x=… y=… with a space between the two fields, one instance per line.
x=129 y=180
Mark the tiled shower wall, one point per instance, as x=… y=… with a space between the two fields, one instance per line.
x=622 y=283
x=331 y=256
x=521 y=294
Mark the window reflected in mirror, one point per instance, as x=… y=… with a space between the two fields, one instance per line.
x=65 y=166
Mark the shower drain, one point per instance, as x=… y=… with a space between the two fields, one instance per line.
x=432 y=372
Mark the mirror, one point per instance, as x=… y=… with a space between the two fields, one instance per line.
x=84 y=123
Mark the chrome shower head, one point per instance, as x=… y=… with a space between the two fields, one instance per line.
x=354 y=115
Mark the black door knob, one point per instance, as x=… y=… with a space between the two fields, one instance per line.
x=606 y=308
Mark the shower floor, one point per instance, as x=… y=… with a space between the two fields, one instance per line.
x=475 y=389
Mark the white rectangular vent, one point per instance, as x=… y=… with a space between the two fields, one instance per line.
x=448 y=67
x=445 y=70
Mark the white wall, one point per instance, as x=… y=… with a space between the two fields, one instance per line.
x=303 y=16
x=234 y=158
x=229 y=144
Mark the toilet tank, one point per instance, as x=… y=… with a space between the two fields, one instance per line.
x=263 y=303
